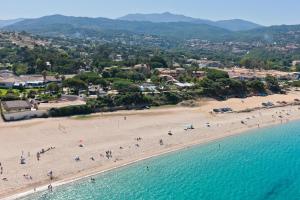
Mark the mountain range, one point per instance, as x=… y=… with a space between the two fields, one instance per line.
x=232 y=25
x=166 y=26
x=56 y=25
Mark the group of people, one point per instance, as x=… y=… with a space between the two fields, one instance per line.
x=43 y=151
x=27 y=177
x=1 y=172
x=108 y=154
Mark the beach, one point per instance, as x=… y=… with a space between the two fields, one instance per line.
x=129 y=136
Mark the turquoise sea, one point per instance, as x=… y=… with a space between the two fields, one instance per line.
x=259 y=165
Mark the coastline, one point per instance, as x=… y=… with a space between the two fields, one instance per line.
x=92 y=173
x=233 y=131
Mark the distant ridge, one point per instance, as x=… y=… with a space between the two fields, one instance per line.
x=232 y=25
x=4 y=23
x=56 y=25
x=109 y=29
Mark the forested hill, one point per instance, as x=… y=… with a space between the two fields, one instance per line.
x=82 y=26
x=232 y=24
x=278 y=34
x=99 y=28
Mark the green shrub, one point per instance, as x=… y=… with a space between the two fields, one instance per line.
x=71 y=110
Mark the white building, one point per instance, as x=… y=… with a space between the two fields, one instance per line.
x=296 y=62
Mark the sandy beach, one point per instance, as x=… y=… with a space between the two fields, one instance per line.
x=129 y=135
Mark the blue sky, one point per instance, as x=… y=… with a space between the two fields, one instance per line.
x=266 y=12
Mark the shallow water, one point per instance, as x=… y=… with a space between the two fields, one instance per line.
x=260 y=165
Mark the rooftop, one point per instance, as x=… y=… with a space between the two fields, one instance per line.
x=16 y=105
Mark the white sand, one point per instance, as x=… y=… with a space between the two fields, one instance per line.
x=111 y=131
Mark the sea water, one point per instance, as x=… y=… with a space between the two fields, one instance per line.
x=258 y=165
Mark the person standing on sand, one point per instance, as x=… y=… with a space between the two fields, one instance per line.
x=50 y=174
x=1 y=169
x=38 y=156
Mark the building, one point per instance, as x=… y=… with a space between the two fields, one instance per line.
x=205 y=63
x=171 y=72
x=20 y=110
x=147 y=87
x=199 y=74
x=296 y=62
x=96 y=90
x=16 y=106
x=250 y=74
x=184 y=85
x=141 y=66
x=296 y=76
x=9 y=80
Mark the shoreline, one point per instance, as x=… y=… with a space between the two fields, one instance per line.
x=118 y=132
x=96 y=172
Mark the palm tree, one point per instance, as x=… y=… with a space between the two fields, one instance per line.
x=44 y=74
x=56 y=76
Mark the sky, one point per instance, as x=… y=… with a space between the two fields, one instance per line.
x=264 y=12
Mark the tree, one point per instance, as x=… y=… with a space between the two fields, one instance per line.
x=53 y=88
x=158 y=62
x=20 y=69
x=298 y=68
x=133 y=98
x=56 y=76
x=93 y=78
x=31 y=94
x=256 y=86
x=124 y=86
x=214 y=74
x=272 y=84
x=44 y=74
x=75 y=84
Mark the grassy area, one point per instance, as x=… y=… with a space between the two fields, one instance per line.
x=3 y=91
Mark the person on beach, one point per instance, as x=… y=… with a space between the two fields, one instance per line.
x=38 y=155
x=50 y=174
x=1 y=169
x=108 y=154
x=161 y=142
x=50 y=188
x=77 y=158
